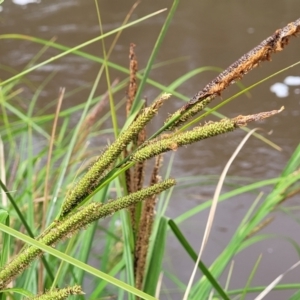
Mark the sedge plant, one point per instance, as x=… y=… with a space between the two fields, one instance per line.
x=74 y=196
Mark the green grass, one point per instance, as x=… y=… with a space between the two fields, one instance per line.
x=33 y=175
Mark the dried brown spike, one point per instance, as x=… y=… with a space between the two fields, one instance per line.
x=243 y=120
x=131 y=92
x=132 y=88
x=246 y=63
x=145 y=227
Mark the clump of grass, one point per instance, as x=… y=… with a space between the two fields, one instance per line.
x=120 y=166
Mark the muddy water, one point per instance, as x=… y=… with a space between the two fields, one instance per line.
x=203 y=33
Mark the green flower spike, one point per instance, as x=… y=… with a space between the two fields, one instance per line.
x=90 y=180
x=198 y=133
x=185 y=115
x=181 y=139
x=59 y=294
x=72 y=223
x=123 y=202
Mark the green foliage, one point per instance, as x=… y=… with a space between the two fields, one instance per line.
x=75 y=196
x=4 y=219
x=156 y=259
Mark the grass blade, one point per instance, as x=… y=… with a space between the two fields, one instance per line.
x=154 y=53
x=79 y=47
x=190 y=251
x=75 y=262
x=250 y=278
x=155 y=264
x=4 y=255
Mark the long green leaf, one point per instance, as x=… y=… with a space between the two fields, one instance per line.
x=190 y=251
x=19 y=291
x=4 y=254
x=250 y=278
x=255 y=289
x=75 y=262
x=247 y=188
x=79 y=47
x=155 y=265
x=154 y=52
x=277 y=195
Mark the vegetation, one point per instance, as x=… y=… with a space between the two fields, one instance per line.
x=63 y=190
